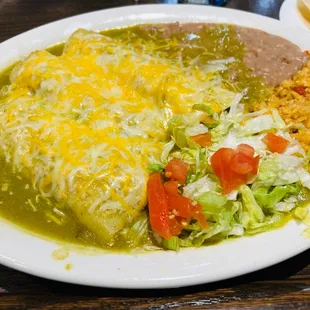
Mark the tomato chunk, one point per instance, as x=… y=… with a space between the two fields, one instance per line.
x=181 y=209
x=180 y=204
x=175 y=226
x=158 y=206
x=220 y=161
x=176 y=170
x=233 y=167
x=275 y=144
x=246 y=149
x=232 y=181
x=203 y=139
x=185 y=209
x=301 y=90
x=198 y=215
x=171 y=187
x=169 y=211
x=241 y=163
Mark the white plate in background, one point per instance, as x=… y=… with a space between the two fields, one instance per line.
x=25 y=252
x=290 y=15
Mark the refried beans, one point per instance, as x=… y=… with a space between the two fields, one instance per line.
x=272 y=57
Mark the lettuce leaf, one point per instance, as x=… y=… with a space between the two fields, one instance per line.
x=172 y=244
x=304 y=177
x=211 y=202
x=156 y=167
x=278 y=169
x=166 y=151
x=196 y=189
x=237 y=230
x=220 y=228
x=181 y=129
x=269 y=223
x=234 y=138
x=251 y=213
x=137 y=233
x=259 y=124
x=287 y=205
x=268 y=197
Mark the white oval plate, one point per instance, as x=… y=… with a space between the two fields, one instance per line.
x=23 y=251
x=290 y=15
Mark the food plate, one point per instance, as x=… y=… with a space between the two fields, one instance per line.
x=28 y=253
x=290 y=15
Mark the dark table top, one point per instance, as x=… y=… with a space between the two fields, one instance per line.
x=284 y=286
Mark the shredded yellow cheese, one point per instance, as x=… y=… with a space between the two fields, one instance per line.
x=83 y=126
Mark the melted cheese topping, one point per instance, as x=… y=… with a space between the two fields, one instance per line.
x=83 y=126
x=173 y=88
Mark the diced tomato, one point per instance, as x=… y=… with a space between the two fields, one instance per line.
x=171 y=187
x=175 y=226
x=158 y=206
x=176 y=170
x=182 y=208
x=246 y=149
x=198 y=215
x=220 y=161
x=169 y=211
x=233 y=167
x=232 y=181
x=276 y=143
x=241 y=163
x=180 y=204
x=301 y=90
x=203 y=139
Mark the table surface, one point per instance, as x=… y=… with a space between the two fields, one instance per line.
x=284 y=286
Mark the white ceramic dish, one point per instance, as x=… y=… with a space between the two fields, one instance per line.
x=28 y=253
x=290 y=15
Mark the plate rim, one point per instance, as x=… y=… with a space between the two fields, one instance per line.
x=12 y=259
x=289 y=14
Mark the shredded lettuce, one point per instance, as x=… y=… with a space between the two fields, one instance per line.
x=196 y=189
x=304 y=177
x=232 y=195
x=223 y=96
x=182 y=129
x=251 y=213
x=211 y=202
x=306 y=233
x=259 y=124
x=278 y=119
x=204 y=108
x=279 y=188
x=220 y=227
x=235 y=107
x=237 y=230
x=287 y=205
x=278 y=169
x=196 y=130
x=176 y=128
x=167 y=149
x=301 y=213
x=156 y=167
x=172 y=244
x=268 y=197
x=137 y=232
x=269 y=223
x=232 y=140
